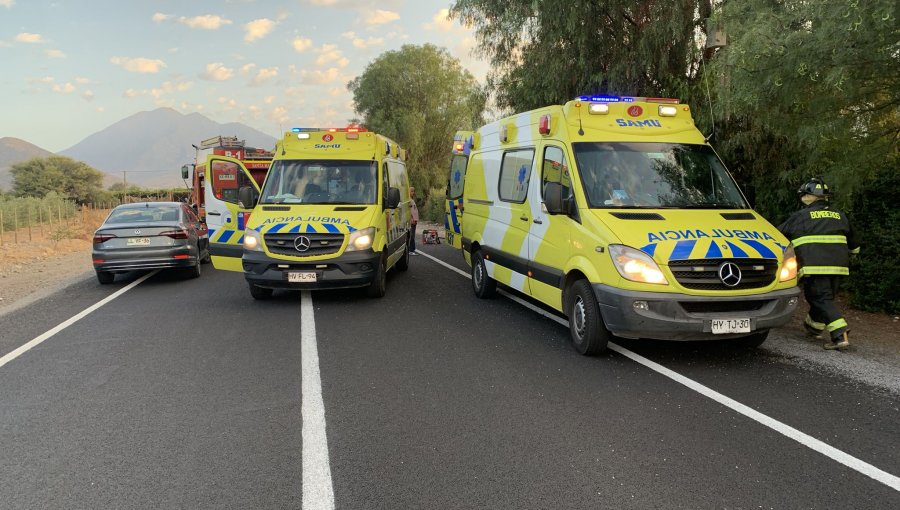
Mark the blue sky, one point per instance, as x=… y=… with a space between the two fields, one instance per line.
x=71 y=68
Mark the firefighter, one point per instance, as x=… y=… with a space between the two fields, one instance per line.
x=823 y=241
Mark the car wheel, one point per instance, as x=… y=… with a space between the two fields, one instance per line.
x=378 y=287
x=196 y=270
x=105 y=277
x=483 y=285
x=753 y=341
x=206 y=258
x=260 y=292
x=403 y=263
x=589 y=335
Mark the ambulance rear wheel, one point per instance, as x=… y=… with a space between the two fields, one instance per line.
x=483 y=285
x=260 y=292
x=403 y=263
x=378 y=287
x=589 y=335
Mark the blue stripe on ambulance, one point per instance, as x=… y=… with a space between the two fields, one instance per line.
x=454 y=218
x=241 y=240
x=682 y=250
x=310 y=229
x=713 y=252
x=331 y=228
x=650 y=249
x=226 y=235
x=737 y=251
x=275 y=228
x=761 y=248
x=295 y=229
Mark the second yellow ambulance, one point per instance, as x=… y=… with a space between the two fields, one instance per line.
x=333 y=212
x=618 y=213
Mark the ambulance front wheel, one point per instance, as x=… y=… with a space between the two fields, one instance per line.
x=483 y=285
x=589 y=335
x=378 y=287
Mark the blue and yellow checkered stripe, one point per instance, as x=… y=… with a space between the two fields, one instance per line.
x=711 y=249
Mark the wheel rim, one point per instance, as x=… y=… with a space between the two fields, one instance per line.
x=578 y=317
x=479 y=274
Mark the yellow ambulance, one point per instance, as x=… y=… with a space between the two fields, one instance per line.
x=333 y=212
x=618 y=213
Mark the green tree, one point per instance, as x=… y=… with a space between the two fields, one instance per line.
x=39 y=176
x=419 y=96
x=550 y=51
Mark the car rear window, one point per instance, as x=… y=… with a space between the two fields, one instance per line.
x=143 y=214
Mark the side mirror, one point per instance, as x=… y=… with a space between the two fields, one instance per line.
x=392 y=200
x=553 y=200
x=185 y=171
x=247 y=196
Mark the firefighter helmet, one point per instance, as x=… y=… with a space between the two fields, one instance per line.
x=815 y=187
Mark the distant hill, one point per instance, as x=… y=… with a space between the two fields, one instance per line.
x=12 y=151
x=152 y=146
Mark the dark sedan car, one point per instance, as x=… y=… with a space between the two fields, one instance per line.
x=150 y=235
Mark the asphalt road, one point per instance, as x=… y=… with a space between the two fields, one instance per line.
x=190 y=394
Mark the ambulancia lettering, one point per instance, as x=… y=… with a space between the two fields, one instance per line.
x=306 y=219
x=681 y=235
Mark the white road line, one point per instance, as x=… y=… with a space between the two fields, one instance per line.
x=40 y=339
x=317 y=490
x=850 y=461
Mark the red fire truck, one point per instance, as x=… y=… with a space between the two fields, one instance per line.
x=223 y=183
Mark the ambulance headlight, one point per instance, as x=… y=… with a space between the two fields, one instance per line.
x=636 y=265
x=252 y=240
x=361 y=239
x=788 y=266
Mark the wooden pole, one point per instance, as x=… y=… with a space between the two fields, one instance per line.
x=16 y=223
x=1 y=227
x=28 y=223
x=41 y=221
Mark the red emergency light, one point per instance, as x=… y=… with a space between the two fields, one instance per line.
x=544 y=125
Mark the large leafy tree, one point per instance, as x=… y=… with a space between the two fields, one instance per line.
x=549 y=51
x=419 y=96
x=65 y=176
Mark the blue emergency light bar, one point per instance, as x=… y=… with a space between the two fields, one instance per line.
x=305 y=130
x=605 y=99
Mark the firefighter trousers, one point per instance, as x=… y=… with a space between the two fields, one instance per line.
x=819 y=291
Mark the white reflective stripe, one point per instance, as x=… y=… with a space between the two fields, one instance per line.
x=829 y=239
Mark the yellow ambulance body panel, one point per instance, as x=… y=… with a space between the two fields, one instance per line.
x=334 y=212
x=616 y=212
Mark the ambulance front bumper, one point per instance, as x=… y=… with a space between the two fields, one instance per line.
x=354 y=269
x=667 y=316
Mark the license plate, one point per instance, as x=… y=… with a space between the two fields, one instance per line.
x=721 y=326
x=297 y=277
x=138 y=241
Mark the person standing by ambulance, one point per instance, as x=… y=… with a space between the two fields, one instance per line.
x=823 y=241
x=413 y=221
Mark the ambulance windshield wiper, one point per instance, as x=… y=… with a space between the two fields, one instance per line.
x=709 y=206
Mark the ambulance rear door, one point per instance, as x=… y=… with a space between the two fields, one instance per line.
x=453 y=208
x=225 y=216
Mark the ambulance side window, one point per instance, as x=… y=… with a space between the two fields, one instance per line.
x=457 y=176
x=514 y=174
x=556 y=169
x=385 y=180
x=227 y=179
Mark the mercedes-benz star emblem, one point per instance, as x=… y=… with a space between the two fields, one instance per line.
x=137 y=232
x=301 y=243
x=730 y=274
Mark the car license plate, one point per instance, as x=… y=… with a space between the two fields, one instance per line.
x=138 y=241
x=298 y=277
x=721 y=326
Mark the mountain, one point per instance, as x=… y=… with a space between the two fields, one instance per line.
x=150 y=147
x=12 y=151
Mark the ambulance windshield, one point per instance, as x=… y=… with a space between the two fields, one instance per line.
x=306 y=181
x=655 y=175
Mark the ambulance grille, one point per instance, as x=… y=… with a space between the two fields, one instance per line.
x=703 y=274
x=319 y=244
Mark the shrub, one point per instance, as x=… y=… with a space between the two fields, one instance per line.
x=434 y=206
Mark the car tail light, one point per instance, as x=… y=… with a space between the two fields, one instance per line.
x=175 y=234
x=181 y=257
x=102 y=238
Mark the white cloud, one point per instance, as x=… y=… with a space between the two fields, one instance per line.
x=43 y=79
x=330 y=55
x=279 y=114
x=55 y=53
x=318 y=77
x=139 y=65
x=217 y=72
x=227 y=103
x=381 y=17
x=367 y=43
x=26 y=37
x=440 y=22
x=83 y=81
x=100 y=109
x=301 y=44
x=246 y=68
x=169 y=87
x=205 y=22
x=131 y=93
x=160 y=17
x=88 y=95
x=268 y=99
x=7 y=3
x=265 y=74
x=67 y=88
x=257 y=29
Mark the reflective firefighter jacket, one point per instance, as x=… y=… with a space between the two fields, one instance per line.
x=822 y=239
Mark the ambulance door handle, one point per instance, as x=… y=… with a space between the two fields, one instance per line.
x=523 y=218
x=213 y=214
x=539 y=222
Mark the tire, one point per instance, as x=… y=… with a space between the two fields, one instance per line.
x=260 y=293
x=588 y=333
x=484 y=286
x=206 y=258
x=105 y=277
x=403 y=263
x=196 y=270
x=753 y=341
x=378 y=287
